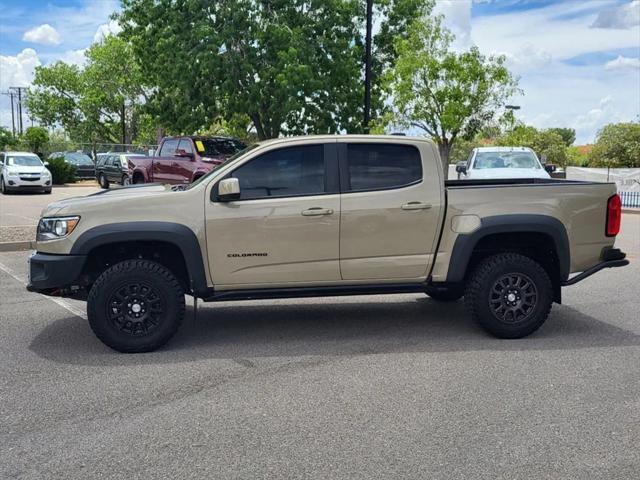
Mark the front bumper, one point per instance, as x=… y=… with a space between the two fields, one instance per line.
x=27 y=182
x=611 y=257
x=51 y=274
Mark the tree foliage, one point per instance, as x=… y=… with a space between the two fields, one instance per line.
x=617 y=145
x=6 y=138
x=36 y=138
x=446 y=94
x=568 y=134
x=61 y=171
x=88 y=103
x=290 y=67
x=548 y=145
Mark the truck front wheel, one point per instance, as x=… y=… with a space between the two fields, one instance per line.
x=509 y=295
x=135 y=306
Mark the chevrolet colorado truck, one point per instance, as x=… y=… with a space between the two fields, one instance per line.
x=182 y=160
x=324 y=216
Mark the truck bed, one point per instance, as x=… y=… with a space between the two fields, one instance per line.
x=513 y=182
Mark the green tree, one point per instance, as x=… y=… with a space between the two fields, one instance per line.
x=568 y=134
x=290 y=66
x=6 y=138
x=446 y=94
x=617 y=145
x=35 y=138
x=91 y=104
x=548 y=144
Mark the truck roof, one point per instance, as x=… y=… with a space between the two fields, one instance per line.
x=377 y=138
x=503 y=149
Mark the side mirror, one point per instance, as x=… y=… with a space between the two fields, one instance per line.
x=46 y=164
x=461 y=167
x=549 y=167
x=228 y=189
x=183 y=153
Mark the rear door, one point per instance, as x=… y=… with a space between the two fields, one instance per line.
x=163 y=164
x=390 y=209
x=284 y=229
x=183 y=167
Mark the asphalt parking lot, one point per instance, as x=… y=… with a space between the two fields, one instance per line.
x=394 y=386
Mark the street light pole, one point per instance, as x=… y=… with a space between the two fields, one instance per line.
x=367 y=68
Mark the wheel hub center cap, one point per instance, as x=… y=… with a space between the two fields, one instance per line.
x=136 y=308
x=511 y=297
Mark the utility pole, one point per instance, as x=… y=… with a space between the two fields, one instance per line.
x=13 y=119
x=20 y=108
x=367 y=68
x=124 y=131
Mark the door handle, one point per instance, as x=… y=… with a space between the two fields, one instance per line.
x=312 y=212
x=416 y=206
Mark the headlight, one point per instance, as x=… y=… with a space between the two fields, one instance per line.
x=55 y=227
x=46 y=173
x=12 y=172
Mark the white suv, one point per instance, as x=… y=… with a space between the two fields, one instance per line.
x=502 y=162
x=23 y=171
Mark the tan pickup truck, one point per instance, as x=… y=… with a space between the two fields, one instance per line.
x=324 y=216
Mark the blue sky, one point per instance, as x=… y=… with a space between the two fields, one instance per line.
x=578 y=60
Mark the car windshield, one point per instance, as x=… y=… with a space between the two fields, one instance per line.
x=506 y=160
x=231 y=158
x=24 y=160
x=78 y=159
x=219 y=146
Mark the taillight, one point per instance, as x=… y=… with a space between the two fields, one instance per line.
x=614 y=215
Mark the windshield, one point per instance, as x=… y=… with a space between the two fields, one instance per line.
x=231 y=158
x=24 y=161
x=506 y=160
x=78 y=159
x=219 y=147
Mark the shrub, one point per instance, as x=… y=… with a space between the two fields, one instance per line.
x=61 y=171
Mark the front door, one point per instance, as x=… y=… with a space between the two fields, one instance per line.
x=390 y=210
x=163 y=163
x=284 y=229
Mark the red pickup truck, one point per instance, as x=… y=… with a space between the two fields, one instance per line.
x=183 y=159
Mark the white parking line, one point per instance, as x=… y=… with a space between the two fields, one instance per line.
x=60 y=301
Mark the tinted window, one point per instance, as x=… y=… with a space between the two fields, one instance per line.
x=78 y=159
x=282 y=173
x=220 y=146
x=380 y=166
x=185 y=145
x=169 y=147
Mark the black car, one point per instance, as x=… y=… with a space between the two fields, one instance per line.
x=113 y=168
x=85 y=168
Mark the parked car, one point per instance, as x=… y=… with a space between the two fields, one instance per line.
x=324 y=216
x=502 y=162
x=23 y=171
x=182 y=160
x=114 y=168
x=85 y=168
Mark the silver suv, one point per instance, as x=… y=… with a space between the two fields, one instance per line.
x=23 y=171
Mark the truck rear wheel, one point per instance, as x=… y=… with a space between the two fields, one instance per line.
x=135 y=306
x=509 y=295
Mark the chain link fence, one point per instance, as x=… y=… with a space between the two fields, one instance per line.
x=92 y=149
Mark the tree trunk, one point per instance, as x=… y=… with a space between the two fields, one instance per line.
x=255 y=118
x=444 y=147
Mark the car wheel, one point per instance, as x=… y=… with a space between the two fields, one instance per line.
x=47 y=191
x=125 y=180
x=509 y=295
x=102 y=180
x=135 y=306
x=445 y=294
x=3 y=188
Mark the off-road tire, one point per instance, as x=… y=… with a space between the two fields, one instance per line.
x=483 y=300
x=445 y=294
x=108 y=318
x=103 y=182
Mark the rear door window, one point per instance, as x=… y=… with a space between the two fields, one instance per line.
x=380 y=166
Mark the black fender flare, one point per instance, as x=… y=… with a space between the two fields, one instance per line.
x=519 y=223
x=174 y=233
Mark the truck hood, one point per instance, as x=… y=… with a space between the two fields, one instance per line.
x=77 y=204
x=488 y=173
x=41 y=169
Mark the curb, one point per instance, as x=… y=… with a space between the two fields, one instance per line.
x=17 y=246
x=633 y=211
x=94 y=184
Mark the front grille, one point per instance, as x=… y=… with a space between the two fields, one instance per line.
x=30 y=179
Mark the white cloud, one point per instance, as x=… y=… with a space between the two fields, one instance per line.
x=623 y=63
x=18 y=70
x=527 y=57
x=106 y=29
x=44 y=34
x=457 y=18
x=619 y=17
x=74 y=57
